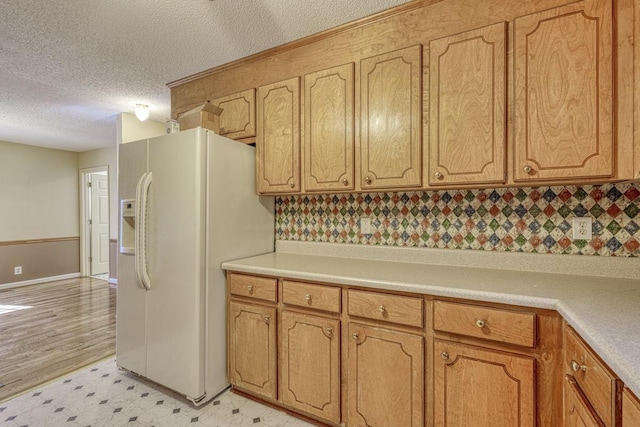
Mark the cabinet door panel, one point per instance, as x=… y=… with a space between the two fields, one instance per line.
x=238 y=118
x=385 y=381
x=596 y=381
x=463 y=377
x=577 y=412
x=467 y=106
x=328 y=129
x=252 y=348
x=564 y=93
x=630 y=409
x=310 y=364
x=391 y=111
x=278 y=137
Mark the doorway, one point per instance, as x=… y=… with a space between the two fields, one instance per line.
x=94 y=239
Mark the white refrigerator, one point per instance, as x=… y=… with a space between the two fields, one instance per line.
x=187 y=204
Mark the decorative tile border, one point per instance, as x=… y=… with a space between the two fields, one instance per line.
x=504 y=219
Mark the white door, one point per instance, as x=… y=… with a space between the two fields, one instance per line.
x=99 y=223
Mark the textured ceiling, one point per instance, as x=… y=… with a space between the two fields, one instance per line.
x=69 y=67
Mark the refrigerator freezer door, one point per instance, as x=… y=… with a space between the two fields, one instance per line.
x=176 y=262
x=131 y=352
x=240 y=224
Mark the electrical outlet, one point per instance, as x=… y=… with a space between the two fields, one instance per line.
x=365 y=225
x=17 y=270
x=582 y=228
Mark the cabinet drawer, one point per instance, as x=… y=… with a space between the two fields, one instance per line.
x=308 y=295
x=253 y=287
x=487 y=323
x=389 y=308
x=593 y=378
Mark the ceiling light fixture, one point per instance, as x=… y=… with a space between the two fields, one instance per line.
x=142 y=112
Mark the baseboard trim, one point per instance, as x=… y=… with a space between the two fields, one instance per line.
x=113 y=281
x=40 y=280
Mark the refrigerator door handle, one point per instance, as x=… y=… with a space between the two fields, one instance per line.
x=146 y=280
x=138 y=229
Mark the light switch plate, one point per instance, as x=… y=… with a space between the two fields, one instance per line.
x=365 y=225
x=582 y=228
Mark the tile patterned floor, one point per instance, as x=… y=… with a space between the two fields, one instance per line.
x=102 y=395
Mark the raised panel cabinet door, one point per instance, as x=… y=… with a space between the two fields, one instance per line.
x=385 y=378
x=310 y=364
x=577 y=411
x=482 y=388
x=278 y=137
x=252 y=348
x=391 y=116
x=238 y=117
x=564 y=93
x=467 y=135
x=630 y=409
x=328 y=141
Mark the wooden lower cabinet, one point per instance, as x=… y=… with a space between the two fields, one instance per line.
x=630 y=409
x=597 y=384
x=385 y=378
x=577 y=410
x=482 y=388
x=362 y=358
x=310 y=364
x=252 y=348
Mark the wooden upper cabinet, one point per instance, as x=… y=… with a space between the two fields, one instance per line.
x=328 y=129
x=391 y=115
x=238 y=118
x=467 y=137
x=564 y=93
x=463 y=376
x=278 y=137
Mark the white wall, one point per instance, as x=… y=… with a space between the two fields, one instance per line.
x=129 y=128
x=109 y=158
x=38 y=192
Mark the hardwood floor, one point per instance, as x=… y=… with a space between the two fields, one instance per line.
x=50 y=329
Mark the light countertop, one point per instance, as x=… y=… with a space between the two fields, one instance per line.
x=599 y=297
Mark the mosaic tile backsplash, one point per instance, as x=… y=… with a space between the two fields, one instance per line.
x=505 y=219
